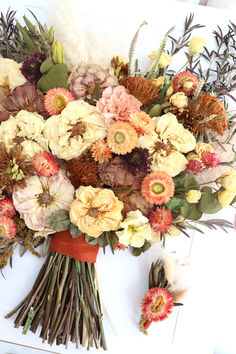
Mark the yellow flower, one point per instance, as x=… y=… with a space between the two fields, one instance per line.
x=164 y=61
x=74 y=130
x=10 y=74
x=202 y=148
x=153 y=55
x=136 y=229
x=167 y=144
x=225 y=197
x=179 y=100
x=193 y=196
x=160 y=82
x=228 y=180
x=96 y=210
x=196 y=45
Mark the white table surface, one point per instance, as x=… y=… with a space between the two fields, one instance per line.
x=206 y=322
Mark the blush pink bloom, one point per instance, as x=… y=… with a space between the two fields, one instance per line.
x=211 y=159
x=116 y=104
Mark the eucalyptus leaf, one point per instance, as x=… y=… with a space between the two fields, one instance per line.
x=179 y=182
x=59 y=220
x=74 y=231
x=137 y=251
x=190 y=182
x=191 y=212
x=209 y=203
x=176 y=203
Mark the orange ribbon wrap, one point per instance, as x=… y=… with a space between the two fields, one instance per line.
x=76 y=248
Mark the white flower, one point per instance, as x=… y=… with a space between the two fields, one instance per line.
x=58 y=129
x=10 y=74
x=136 y=229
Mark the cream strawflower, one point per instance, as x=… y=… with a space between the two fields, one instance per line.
x=179 y=100
x=228 y=180
x=136 y=229
x=96 y=210
x=26 y=130
x=10 y=74
x=193 y=196
x=40 y=198
x=196 y=45
x=167 y=144
x=74 y=130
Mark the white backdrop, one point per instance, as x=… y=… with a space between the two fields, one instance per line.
x=206 y=322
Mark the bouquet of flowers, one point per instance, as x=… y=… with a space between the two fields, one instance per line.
x=93 y=156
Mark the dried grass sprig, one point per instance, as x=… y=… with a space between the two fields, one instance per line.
x=132 y=46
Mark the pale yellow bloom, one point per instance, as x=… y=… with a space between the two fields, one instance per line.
x=201 y=148
x=96 y=210
x=225 y=197
x=196 y=45
x=193 y=196
x=228 y=180
x=164 y=61
x=10 y=74
x=58 y=129
x=136 y=229
x=179 y=100
x=167 y=144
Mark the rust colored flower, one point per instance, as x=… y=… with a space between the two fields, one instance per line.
x=209 y=113
x=25 y=97
x=144 y=90
x=14 y=168
x=83 y=172
x=161 y=219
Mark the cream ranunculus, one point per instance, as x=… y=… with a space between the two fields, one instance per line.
x=225 y=197
x=193 y=196
x=136 y=229
x=40 y=198
x=179 y=100
x=96 y=210
x=26 y=130
x=167 y=144
x=228 y=180
x=74 y=130
x=196 y=45
x=10 y=74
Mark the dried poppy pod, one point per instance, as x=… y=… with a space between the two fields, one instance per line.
x=203 y=109
x=144 y=90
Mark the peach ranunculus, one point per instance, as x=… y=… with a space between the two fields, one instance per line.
x=117 y=104
x=96 y=210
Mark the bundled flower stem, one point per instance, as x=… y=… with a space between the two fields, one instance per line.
x=65 y=300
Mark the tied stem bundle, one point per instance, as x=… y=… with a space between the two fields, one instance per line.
x=65 y=301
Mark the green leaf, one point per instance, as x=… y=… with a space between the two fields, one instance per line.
x=176 y=203
x=112 y=240
x=179 y=182
x=74 y=231
x=57 y=76
x=28 y=40
x=190 y=182
x=59 y=220
x=91 y=240
x=29 y=24
x=191 y=212
x=137 y=251
x=233 y=201
x=209 y=203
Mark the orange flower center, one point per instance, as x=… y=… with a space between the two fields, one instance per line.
x=59 y=102
x=119 y=138
x=157 y=188
x=94 y=212
x=158 y=304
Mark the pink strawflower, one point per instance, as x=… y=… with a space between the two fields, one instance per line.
x=7 y=208
x=117 y=104
x=194 y=166
x=185 y=82
x=157 y=304
x=7 y=228
x=160 y=219
x=56 y=100
x=210 y=159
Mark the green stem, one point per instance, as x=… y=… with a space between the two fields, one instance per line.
x=189 y=58
x=100 y=315
x=81 y=295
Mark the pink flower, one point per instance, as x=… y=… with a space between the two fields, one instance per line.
x=117 y=104
x=194 y=166
x=210 y=159
x=7 y=227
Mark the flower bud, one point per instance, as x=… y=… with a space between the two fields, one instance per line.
x=179 y=100
x=225 y=197
x=57 y=53
x=196 y=45
x=193 y=196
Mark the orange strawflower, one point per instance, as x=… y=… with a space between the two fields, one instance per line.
x=121 y=138
x=158 y=187
x=101 y=151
